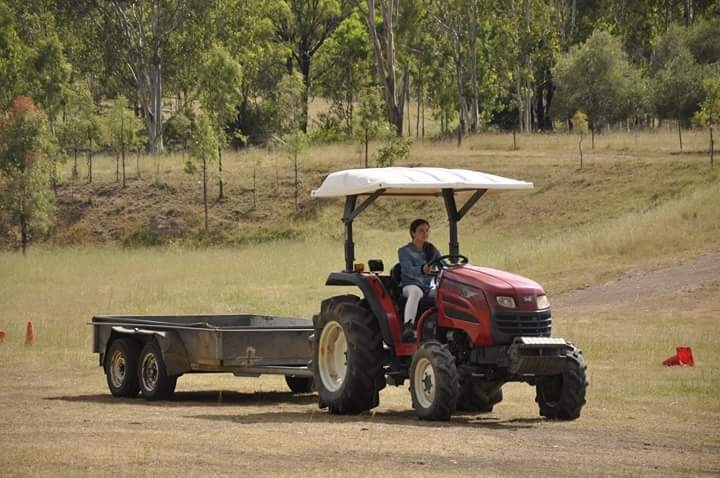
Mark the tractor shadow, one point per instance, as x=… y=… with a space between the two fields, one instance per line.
x=396 y=418
x=201 y=399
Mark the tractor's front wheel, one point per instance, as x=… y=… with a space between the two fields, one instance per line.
x=434 y=383
x=563 y=396
x=347 y=356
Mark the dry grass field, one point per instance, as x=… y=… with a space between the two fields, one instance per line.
x=628 y=249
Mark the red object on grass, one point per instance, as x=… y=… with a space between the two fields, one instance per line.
x=669 y=362
x=685 y=356
x=2 y=336
x=682 y=357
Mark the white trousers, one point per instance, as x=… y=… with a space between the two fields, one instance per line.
x=414 y=294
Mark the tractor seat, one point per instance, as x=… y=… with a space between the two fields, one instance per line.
x=396 y=292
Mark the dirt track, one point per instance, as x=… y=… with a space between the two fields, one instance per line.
x=56 y=417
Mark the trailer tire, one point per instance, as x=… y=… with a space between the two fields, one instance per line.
x=434 y=382
x=155 y=384
x=347 y=356
x=299 y=384
x=479 y=397
x=563 y=396
x=120 y=366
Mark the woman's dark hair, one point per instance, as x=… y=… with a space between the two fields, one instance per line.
x=428 y=247
x=417 y=223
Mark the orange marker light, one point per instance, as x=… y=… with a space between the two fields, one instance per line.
x=359 y=267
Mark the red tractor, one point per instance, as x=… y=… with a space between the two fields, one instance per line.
x=485 y=328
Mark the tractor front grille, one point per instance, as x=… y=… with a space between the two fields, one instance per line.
x=524 y=324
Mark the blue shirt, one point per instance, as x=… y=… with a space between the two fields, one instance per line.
x=411 y=261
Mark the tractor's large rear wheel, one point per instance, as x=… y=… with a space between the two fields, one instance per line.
x=347 y=356
x=434 y=383
x=563 y=396
x=479 y=396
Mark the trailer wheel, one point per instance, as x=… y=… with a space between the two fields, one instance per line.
x=120 y=366
x=563 y=396
x=434 y=383
x=155 y=384
x=479 y=397
x=347 y=356
x=299 y=384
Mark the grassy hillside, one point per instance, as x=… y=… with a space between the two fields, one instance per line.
x=624 y=174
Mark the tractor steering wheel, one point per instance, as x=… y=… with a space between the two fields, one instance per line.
x=443 y=262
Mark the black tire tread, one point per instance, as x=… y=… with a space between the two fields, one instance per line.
x=166 y=384
x=299 y=384
x=365 y=373
x=131 y=387
x=447 y=382
x=572 y=394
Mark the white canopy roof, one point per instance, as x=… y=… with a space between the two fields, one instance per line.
x=411 y=181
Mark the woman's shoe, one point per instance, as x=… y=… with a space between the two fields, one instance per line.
x=408 y=333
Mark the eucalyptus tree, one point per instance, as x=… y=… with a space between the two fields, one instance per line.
x=386 y=61
x=304 y=27
x=146 y=30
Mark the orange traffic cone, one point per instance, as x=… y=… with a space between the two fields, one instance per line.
x=29 y=334
x=2 y=336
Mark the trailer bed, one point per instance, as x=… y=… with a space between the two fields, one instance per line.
x=244 y=344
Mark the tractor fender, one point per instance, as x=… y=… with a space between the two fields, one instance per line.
x=362 y=282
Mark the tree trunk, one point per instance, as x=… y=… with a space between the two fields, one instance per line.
x=419 y=102
x=712 y=148
x=157 y=136
x=367 y=140
x=23 y=233
x=220 y=174
x=296 y=179
x=409 y=116
x=117 y=166
x=461 y=92
x=680 y=135
x=205 y=201
x=122 y=146
x=137 y=163
x=515 y=147
x=89 y=166
x=473 y=70
x=75 y=173
x=304 y=65
x=580 y=149
x=592 y=136
x=423 y=115
x=385 y=60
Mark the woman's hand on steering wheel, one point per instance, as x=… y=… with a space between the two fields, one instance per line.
x=444 y=262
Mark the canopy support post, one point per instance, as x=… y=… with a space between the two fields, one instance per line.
x=453 y=218
x=350 y=202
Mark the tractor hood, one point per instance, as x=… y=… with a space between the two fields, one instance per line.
x=495 y=282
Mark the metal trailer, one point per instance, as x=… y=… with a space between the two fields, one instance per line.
x=146 y=354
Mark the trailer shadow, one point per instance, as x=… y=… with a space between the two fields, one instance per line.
x=395 y=418
x=201 y=399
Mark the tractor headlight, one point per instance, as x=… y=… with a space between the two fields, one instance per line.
x=542 y=302
x=505 y=301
